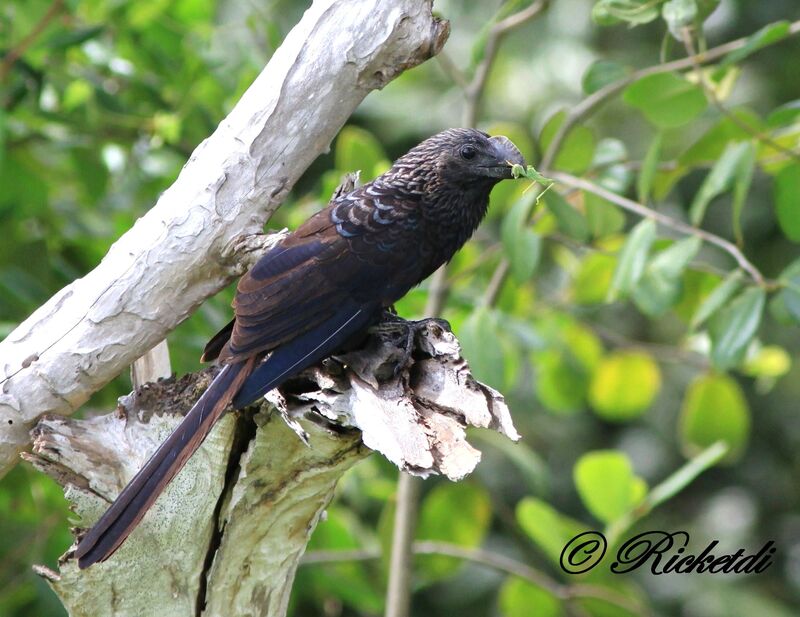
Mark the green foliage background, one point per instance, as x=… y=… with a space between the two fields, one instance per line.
x=627 y=351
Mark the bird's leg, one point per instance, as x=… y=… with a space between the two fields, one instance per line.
x=402 y=333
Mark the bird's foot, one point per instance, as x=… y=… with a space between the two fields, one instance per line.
x=402 y=334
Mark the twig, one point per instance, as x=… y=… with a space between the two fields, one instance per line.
x=475 y=89
x=708 y=90
x=398 y=590
x=492 y=560
x=588 y=105
x=15 y=53
x=643 y=211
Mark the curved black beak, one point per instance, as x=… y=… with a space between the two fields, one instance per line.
x=507 y=154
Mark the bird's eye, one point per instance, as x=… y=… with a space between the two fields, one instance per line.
x=468 y=152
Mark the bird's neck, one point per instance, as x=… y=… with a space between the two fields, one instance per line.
x=452 y=217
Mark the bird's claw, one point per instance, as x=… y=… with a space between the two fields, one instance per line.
x=403 y=334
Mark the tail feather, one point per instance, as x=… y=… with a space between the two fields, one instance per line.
x=136 y=498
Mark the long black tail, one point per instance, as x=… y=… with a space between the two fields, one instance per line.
x=136 y=498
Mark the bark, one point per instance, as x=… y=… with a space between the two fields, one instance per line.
x=198 y=236
x=227 y=535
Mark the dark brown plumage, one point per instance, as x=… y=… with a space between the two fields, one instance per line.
x=320 y=286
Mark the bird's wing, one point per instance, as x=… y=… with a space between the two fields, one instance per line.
x=357 y=253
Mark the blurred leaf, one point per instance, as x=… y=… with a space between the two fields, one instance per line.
x=649 y=168
x=76 y=94
x=632 y=259
x=570 y=221
x=527 y=461
x=547 y=527
x=68 y=38
x=561 y=383
x=709 y=147
x=593 y=281
x=667 y=100
x=714 y=409
x=732 y=328
x=606 y=484
x=358 y=150
x=624 y=385
x=788 y=113
x=520 y=598
x=601 y=73
x=480 y=340
x=679 y=14
x=771 y=361
x=603 y=217
x=660 y=285
x=634 y=12
x=522 y=245
x=347 y=580
x=455 y=512
x=721 y=178
x=717 y=298
x=741 y=187
x=684 y=476
x=787 y=201
x=787 y=301
x=769 y=34
x=576 y=151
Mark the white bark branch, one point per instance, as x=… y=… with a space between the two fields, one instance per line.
x=217 y=545
x=190 y=244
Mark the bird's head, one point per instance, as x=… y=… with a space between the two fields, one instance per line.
x=463 y=158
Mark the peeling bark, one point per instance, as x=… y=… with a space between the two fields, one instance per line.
x=227 y=535
x=199 y=235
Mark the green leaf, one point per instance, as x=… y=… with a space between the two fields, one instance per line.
x=479 y=336
x=714 y=409
x=649 y=167
x=603 y=217
x=561 y=384
x=720 y=178
x=606 y=484
x=788 y=113
x=786 y=193
x=771 y=361
x=660 y=286
x=522 y=245
x=741 y=187
x=358 y=150
x=593 y=279
x=733 y=328
x=632 y=259
x=624 y=385
x=769 y=34
x=569 y=220
x=458 y=513
x=520 y=598
x=719 y=296
x=577 y=150
x=601 y=73
x=667 y=100
x=710 y=146
x=547 y=527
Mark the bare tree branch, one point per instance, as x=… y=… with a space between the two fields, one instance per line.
x=199 y=235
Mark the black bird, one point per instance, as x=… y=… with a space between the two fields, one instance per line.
x=321 y=286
